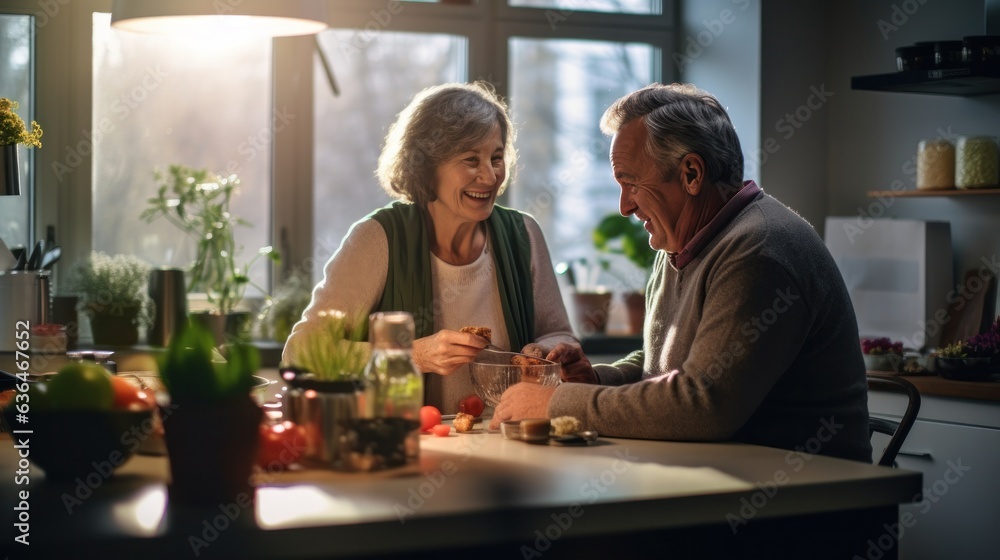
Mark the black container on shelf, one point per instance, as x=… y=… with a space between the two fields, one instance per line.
x=981 y=49
x=914 y=57
x=944 y=54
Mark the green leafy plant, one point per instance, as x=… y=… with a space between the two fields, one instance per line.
x=620 y=235
x=334 y=351
x=194 y=372
x=285 y=308
x=197 y=202
x=13 y=129
x=110 y=284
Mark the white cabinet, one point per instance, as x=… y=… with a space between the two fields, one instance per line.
x=955 y=443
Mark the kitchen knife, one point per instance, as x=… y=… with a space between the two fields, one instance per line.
x=50 y=257
x=7 y=259
x=36 y=255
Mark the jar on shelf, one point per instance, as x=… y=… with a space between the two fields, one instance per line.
x=976 y=159
x=935 y=164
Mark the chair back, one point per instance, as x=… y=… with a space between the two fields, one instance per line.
x=896 y=431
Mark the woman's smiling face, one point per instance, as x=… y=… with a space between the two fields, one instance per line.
x=467 y=184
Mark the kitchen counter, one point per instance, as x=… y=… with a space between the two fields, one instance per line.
x=479 y=496
x=941 y=387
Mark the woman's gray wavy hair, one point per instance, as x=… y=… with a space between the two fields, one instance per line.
x=441 y=122
x=682 y=119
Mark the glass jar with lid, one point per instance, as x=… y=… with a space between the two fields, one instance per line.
x=935 y=164
x=976 y=162
x=388 y=432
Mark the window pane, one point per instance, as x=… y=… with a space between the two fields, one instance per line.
x=159 y=100
x=376 y=80
x=16 y=60
x=613 y=6
x=559 y=90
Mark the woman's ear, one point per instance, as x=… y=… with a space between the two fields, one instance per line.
x=692 y=173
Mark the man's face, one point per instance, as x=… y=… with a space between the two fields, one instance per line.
x=645 y=193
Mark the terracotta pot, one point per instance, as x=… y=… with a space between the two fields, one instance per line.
x=115 y=329
x=592 y=310
x=635 y=304
x=212 y=449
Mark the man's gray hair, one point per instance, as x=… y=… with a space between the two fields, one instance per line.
x=439 y=123
x=682 y=119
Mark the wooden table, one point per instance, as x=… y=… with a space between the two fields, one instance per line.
x=480 y=496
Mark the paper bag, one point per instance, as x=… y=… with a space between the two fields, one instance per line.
x=898 y=274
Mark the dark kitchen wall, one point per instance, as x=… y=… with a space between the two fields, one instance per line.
x=873 y=136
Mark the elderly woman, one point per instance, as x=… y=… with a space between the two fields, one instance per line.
x=445 y=251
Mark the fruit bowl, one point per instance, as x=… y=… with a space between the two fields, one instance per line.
x=492 y=374
x=71 y=444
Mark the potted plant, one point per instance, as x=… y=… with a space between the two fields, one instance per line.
x=972 y=359
x=13 y=132
x=211 y=426
x=621 y=235
x=112 y=292
x=197 y=202
x=326 y=390
x=280 y=312
x=881 y=354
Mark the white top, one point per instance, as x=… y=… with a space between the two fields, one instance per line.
x=464 y=295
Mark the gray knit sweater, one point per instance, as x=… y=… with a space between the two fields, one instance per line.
x=754 y=340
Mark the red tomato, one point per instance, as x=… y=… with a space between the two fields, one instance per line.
x=281 y=445
x=472 y=405
x=429 y=417
x=128 y=396
x=441 y=430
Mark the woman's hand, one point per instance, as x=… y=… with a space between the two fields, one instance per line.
x=445 y=351
x=576 y=367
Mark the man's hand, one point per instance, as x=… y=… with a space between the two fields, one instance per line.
x=576 y=367
x=445 y=351
x=523 y=400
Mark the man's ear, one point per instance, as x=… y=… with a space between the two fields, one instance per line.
x=692 y=173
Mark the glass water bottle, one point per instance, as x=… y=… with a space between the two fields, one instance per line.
x=390 y=436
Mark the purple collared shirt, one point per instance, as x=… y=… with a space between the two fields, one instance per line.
x=734 y=206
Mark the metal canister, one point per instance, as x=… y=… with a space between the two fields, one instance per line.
x=24 y=303
x=167 y=290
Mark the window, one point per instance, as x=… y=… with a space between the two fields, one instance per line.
x=163 y=100
x=351 y=125
x=16 y=84
x=223 y=105
x=559 y=90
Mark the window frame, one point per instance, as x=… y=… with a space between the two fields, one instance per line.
x=64 y=92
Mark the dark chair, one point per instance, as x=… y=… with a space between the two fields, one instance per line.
x=896 y=431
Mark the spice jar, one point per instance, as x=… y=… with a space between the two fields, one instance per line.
x=935 y=164
x=976 y=162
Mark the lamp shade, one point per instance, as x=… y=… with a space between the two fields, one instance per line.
x=248 y=17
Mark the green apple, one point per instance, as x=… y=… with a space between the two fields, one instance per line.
x=81 y=386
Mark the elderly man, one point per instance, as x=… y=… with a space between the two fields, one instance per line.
x=750 y=334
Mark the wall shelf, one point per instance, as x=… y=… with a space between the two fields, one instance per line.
x=965 y=81
x=938 y=193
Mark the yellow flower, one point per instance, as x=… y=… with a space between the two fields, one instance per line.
x=12 y=128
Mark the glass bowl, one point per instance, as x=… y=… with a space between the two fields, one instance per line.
x=492 y=374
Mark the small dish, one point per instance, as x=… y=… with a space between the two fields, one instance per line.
x=511 y=429
x=580 y=438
